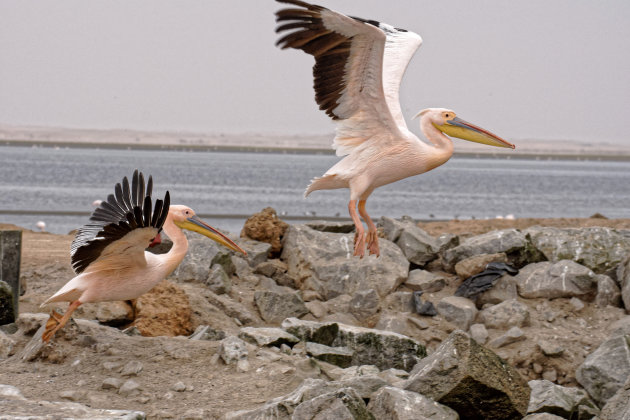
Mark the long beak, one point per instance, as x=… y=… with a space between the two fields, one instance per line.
x=197 y=225
x=459 y=128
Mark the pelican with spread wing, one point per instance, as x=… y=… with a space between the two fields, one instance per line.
x=109 y=256
x=358 y=67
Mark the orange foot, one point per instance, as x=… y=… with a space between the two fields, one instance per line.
x=372 y=243
x=52 y=325
x=359 y=244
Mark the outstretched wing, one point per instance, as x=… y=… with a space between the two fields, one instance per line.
x=123 y=225
x=357 y=72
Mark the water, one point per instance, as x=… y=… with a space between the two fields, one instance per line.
x=218 y=183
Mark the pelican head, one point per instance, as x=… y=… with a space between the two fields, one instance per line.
x=185 y=218
x=449 y=123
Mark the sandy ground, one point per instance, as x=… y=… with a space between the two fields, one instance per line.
x=212 y=388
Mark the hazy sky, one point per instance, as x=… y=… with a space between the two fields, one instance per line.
x=524 y=69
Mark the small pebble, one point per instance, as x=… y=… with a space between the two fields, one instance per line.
x=111 y=383
x=179 y=387
x=132 y=368
x=550 y=375
x=242 y=365
x=577 y=304
x=129 y=387
x=112 y=366
x=537 y=368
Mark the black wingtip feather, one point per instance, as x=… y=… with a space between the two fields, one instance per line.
x=125 y=210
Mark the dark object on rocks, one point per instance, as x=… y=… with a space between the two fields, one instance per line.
x=470 y=379
x=423 y=308
x=266 y=227
x=479 y=283
x=598 y=216
x=10 y=252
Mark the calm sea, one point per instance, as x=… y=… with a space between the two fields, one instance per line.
x=218 y=183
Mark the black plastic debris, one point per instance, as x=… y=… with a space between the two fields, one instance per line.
x=423 y=308
x=479 y=283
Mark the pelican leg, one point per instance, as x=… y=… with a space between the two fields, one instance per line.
x=56 y=322
x=359 y=236
x=372 y=235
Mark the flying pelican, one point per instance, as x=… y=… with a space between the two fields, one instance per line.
x=108 y=254
x=358 y=67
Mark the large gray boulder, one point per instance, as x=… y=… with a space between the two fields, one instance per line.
x=555 y=280
x=623 y=276
x=617 y=407
x=459 y=311
x=196 y=264
x=276 y=305
x=418 y=246
x=461 y=373
x=397 y=404
x=605 y=370
x=568 y=403
x=383 y=349
x=513 y=243
x=323 y=262
x=343 y=404
x=599 y=248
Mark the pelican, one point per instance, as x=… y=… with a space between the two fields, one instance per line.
x=108 y=254
x=358 y=67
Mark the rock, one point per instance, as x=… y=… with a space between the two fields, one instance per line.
x=460 y=373
x=265 y=226
x=606 y=369
x=553 y=280
x=163 y=311
x=73 y=395
x=339 y=356
x=129 y=388
x=392 y=228
x=257 y=252
x=28 y=323
x=608 y=293
x=421 y=307
x=275 y=306
x=418 y=246
x=15 y=406
x=479 y=333
x=504 y=315
x=111 y=383
x=623 y=277
x=447 y=241
x=514 y=244
x=459 y=311
x=332 y=227
x=267 y=337
x=178 y=387
x=383 y=349
x=364 y=304
x=599 y=248
x=397 y=404
x=399 y=302
x=7 y=313
x=198 y=259
x=504 y=289
x=617 y=406
x=218 y=280
x=512 y=335
x=620 y=327
x=470 y=266
x=577 y=304
x=551 y=348
x=132 y=368
x=393 y=322
x=232 y=349
x=277 y=270
x=6 y=345
x=205 y=332
x=323 y=262
x=343 y=404
x=547 y=397
x=543 y=416
x=114 y=313
x=231 y=307
x=425 y=281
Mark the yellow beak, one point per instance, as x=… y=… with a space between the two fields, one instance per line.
x=197 y=225
x=461 y=129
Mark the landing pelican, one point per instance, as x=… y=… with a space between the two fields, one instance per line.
x=108 y=254
x=359 y=64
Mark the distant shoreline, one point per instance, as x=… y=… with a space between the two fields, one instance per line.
x=550 y=155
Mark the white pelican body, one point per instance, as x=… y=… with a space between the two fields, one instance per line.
x=358 y=68
x=109 y=253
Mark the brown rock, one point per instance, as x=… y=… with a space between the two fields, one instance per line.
x=163 y=311
x=266 y=227
x=476 y=264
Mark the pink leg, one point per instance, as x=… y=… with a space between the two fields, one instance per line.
x=372 y=235
x=359 y=237
x=55 y=322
